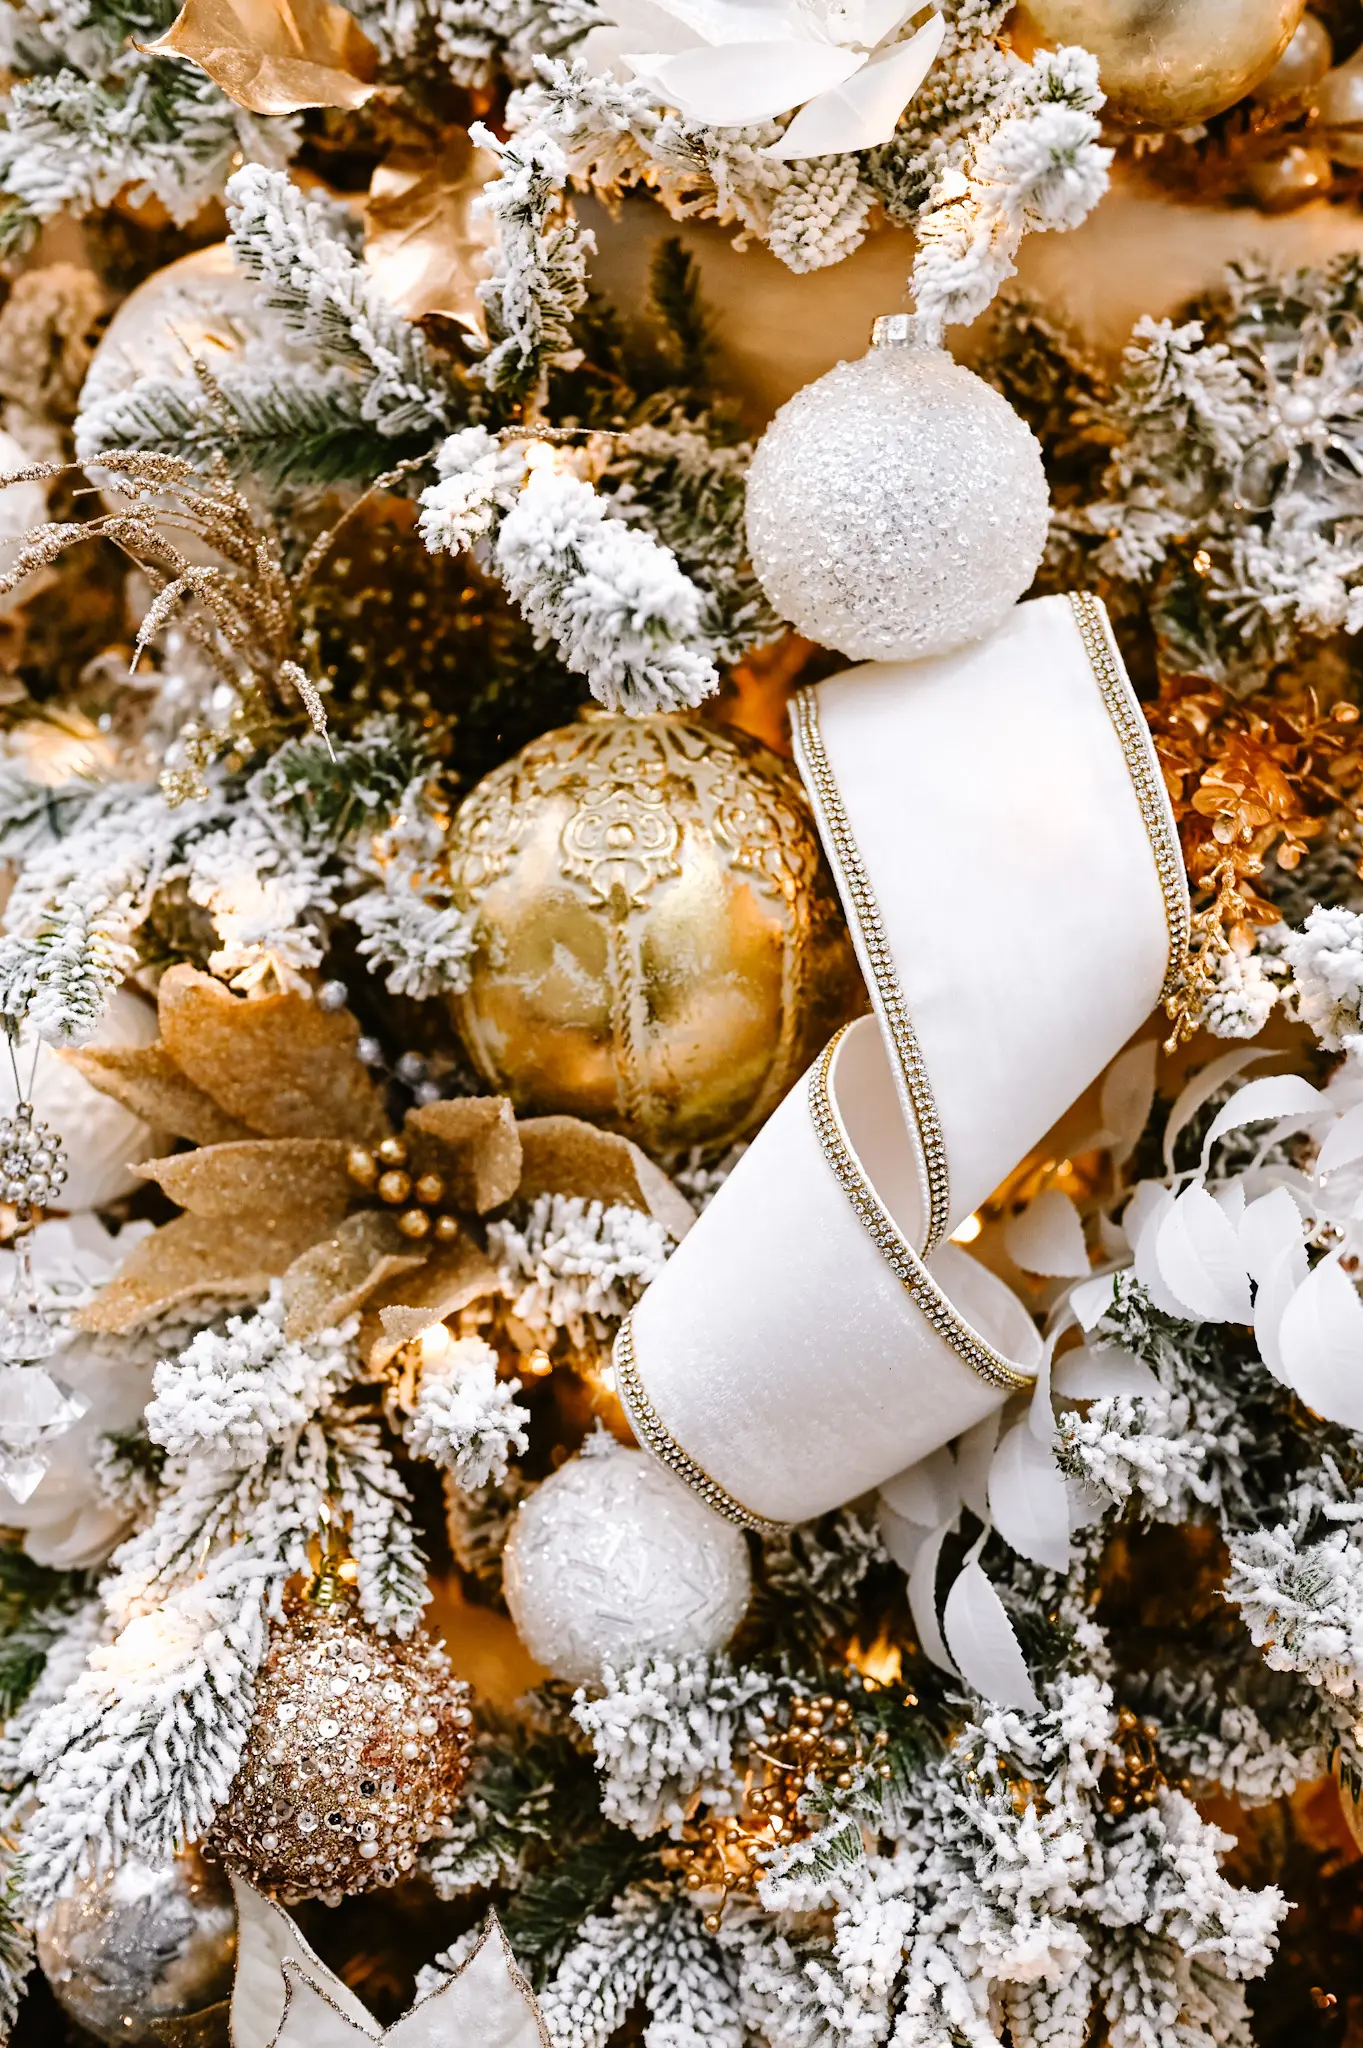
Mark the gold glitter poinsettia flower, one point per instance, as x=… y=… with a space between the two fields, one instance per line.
x=297 y=1174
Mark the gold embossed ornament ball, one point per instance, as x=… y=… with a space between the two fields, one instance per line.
x=658 y=943
x=1168 y=63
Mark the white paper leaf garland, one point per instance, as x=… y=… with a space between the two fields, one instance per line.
x=923 y=1598
x=1320 y=1342
x=1263 y=1101
x=1028 y=1499
x=1127 y=1097
x=981 y=1639
x=1048 y=1238
x=1200 y=1261
x=286 y=1997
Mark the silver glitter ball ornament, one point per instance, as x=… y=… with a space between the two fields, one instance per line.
x=140 y=1943
x=612 y=1560
x=897 y=507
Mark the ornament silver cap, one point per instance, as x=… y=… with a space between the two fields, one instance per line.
x=896 y=330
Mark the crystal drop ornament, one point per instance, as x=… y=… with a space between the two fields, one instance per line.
x=898 y=506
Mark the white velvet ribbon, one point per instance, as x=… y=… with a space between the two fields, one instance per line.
x=992 y=807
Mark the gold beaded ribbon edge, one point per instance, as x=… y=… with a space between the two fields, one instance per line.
x=863 y=912
x=1133 y=735
x=898 y=1254
x=656 y=1437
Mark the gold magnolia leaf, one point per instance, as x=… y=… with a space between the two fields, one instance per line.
x=146 y=1080
x=471 y=1141
x=259 y=1177
x=276 y=56
x=453 y=1276
x=338 y=1274
x=195 y=1258
x=279 y=1063
x=562 y=1155
x=424 y=245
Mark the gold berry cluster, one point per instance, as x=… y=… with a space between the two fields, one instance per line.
x=382 y=1170
x=817 y=1740
x=1137 y=1780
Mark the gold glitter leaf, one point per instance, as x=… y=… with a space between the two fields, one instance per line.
x=473 y=1144
x=193 y=1258
x=452 y=1277
x=146 y=1080
x=424 y=245
x=336 y=1276
x=265 y=1176
x=281 y=1063
x=276 y=56
x=565 y=1156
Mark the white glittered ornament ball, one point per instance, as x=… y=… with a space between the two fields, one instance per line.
x=897 y=507
x=612 y=1560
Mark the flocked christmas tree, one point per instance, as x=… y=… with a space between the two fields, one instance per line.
x=514 y=1496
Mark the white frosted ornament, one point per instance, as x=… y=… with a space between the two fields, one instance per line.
x=612 y=1560
x=897 y=507
x=104 y=1141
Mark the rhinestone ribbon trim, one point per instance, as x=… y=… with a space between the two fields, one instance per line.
x=1133 y=733
x=898 y=1254
x=655 y=1436
x=864 y=913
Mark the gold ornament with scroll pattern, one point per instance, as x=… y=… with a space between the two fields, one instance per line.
x=659 y=945
x=1167 y=63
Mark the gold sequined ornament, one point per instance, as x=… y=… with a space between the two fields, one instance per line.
x=358 y=1750
x=140 y=1943
x=658 y=942
x=897 y=507
x=1168 y=63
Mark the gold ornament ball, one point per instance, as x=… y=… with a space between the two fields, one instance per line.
x=658 y=942
x=357 y=1752
x=1169 y=63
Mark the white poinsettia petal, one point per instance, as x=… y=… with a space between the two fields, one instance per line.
x=1269 y=1228
x=1098 y=1374
x=1273 y=1096
x=863 y=113
x=1344 y=1143
x=635 y=25
x=266 y=1939
x=923 y=1598
x=981 y=1639
x=1128 y=1094
x=1048 y=1237
x=1200 y=1259
x=739 y=83
x=736 y=21
x=865 y=22
x=1320 y=1339
x=1028 y=1499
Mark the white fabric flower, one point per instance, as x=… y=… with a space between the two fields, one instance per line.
x=733 y=63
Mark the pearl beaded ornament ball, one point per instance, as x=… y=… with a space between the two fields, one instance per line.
x=897 y=507
x=612 y=1560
